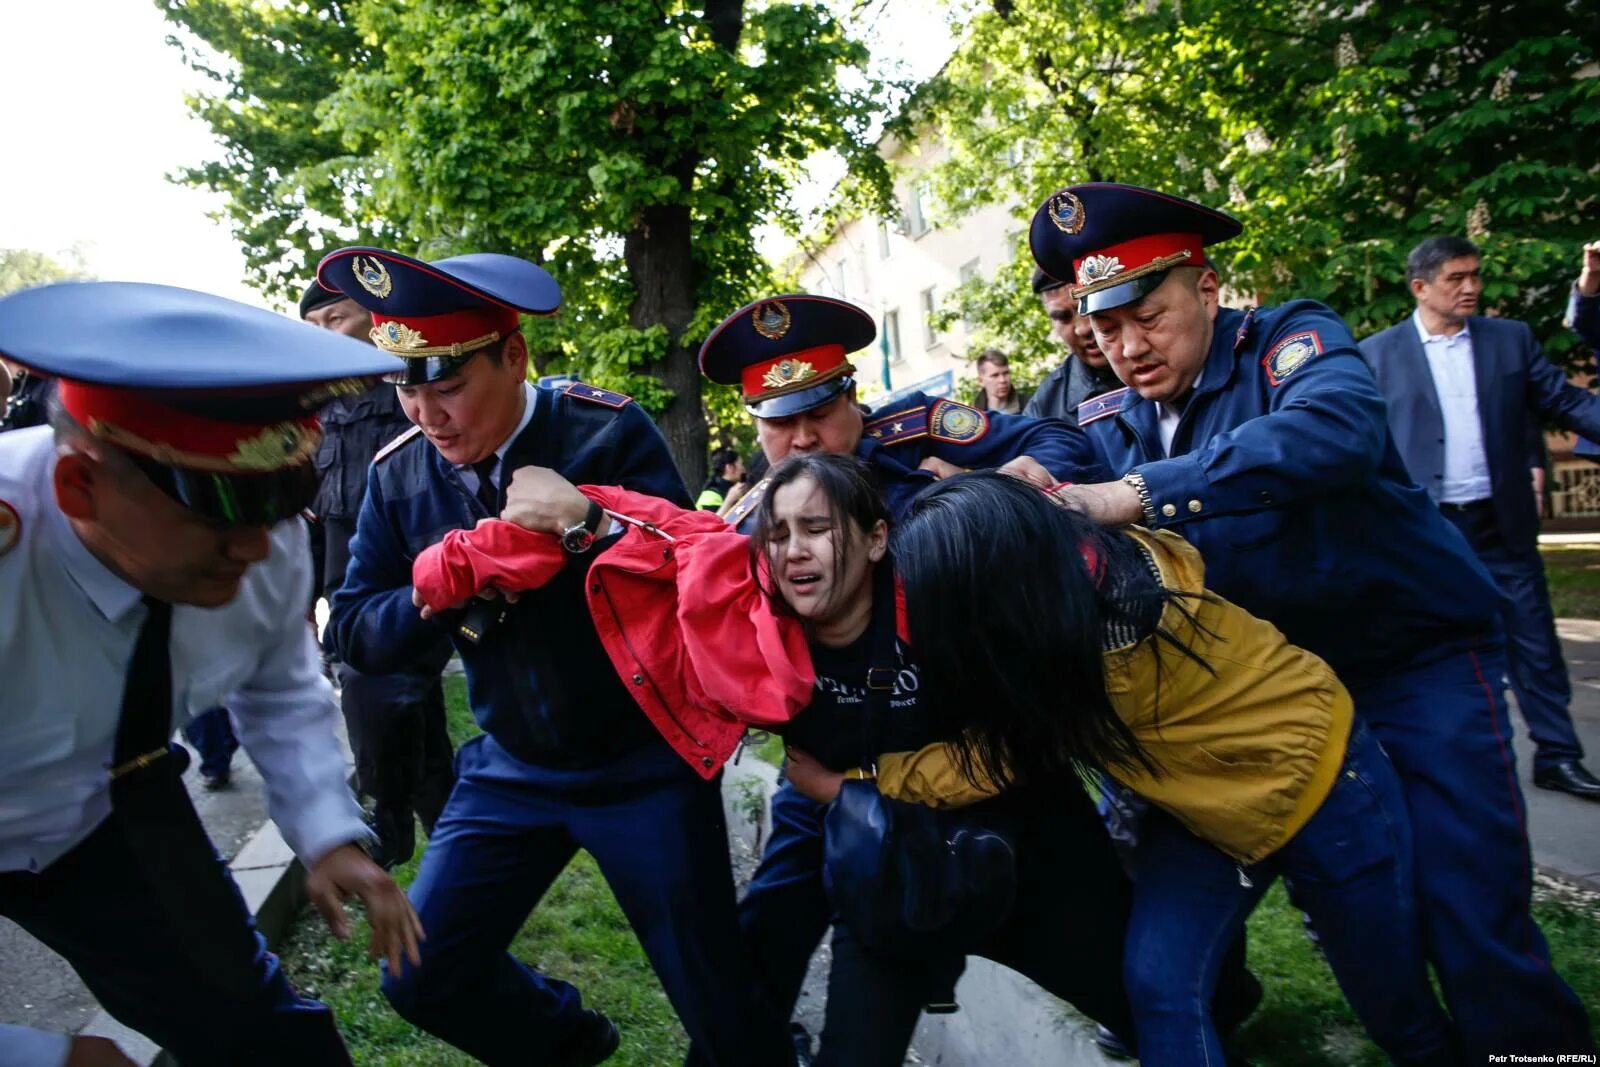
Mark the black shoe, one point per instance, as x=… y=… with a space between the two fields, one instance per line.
x=802 y=1045
x=593 y=1041
x=215 y=782
x=1112 y=1045
x=1568 y=777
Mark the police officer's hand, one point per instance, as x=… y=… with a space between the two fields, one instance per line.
x=811 y=778
x=541 y=500
x=97 y=1052
x=1589 y=280
x=1107 y=503
x=346 y=871
x=940 y=468
x=1029 y=470
x=492 y=593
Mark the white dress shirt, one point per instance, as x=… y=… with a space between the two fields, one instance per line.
x=1167 y=425
x=67 y=632
x=1454 y=370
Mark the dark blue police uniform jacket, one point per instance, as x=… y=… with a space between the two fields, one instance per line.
x=896 y=438
x=1514 y=382
x=1307 y=518
x=540 y=683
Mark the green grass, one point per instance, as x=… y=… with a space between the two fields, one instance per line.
x=577 y=933
x=1573 y=572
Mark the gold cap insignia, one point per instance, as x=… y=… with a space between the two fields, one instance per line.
x=398 y=338
x=1098 y=269
x=372 y=276
x=1066 y=211
x=771 y=320
x=787 y=372
x=275 y=447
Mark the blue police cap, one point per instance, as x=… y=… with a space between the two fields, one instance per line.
x=215 y=400
x=787 y=352
x=1115 y=243
x=436 y=316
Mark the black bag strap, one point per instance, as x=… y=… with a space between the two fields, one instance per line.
x=882 y=667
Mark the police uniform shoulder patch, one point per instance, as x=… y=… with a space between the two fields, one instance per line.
x=747 y=503
x=899 y=426
x=1100 y=407
x=394 y=446
x=10 y=527
x=596 y=395
x=956 y=423
x=1290 y=354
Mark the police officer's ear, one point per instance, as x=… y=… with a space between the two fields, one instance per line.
x=76 y=479
x=514 y=354
x=1208 y=288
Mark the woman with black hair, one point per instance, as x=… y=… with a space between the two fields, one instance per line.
x=1049 y=645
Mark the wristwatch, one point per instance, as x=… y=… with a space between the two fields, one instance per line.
x=577 y=538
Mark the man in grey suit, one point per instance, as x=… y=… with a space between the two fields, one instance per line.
x=1464 y=393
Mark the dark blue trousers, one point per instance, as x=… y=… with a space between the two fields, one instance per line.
x=211 y=733
x=145 y=911
x=658 y=833
x=1533 y=650
x=1065 y=931
x=1443 y=721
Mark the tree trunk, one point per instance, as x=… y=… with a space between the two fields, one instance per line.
x=661 y=266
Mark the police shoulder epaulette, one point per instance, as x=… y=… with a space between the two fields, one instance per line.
x=745 y=504
x=956 y=423
x=596 y=395
x=394 y=446
x=1099 y=407
x=895 y=427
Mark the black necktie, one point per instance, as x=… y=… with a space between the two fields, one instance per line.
x=146 y=722
x=487 y=495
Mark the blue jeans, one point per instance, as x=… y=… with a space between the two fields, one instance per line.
x=1351 y=866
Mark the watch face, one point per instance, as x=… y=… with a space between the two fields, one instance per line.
x=577 y=539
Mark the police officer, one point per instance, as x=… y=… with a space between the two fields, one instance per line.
x=396 y=722
x=1084 y=373
x=567 y=760
x=149 y=572
x=788 y=354
x=1261 y=437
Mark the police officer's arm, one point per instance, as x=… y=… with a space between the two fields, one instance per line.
x=1549 y=392
x=372 y=623
x=1583 y=308
x=630 y=452
x=1325 y=428
x=1060 y=447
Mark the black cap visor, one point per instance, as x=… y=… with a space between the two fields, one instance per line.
x=1116 y=296
x=425 y=369
x=780 y=407
x=254 y=499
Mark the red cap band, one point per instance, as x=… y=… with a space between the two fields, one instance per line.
x=1118 y=263
x=131 y=421
x=452 y=334
x=797 y=370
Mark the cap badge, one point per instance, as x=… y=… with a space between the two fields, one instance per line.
x=1066 y=211
x=395 y=336
x=372 y=276
x=1098 y=269
x=771 y=321
x=274 y=448
x=787 y=371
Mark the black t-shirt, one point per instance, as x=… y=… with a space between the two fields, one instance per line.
x=839 y=726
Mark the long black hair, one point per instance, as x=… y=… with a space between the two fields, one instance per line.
x=1010 y=599
x=852 y=498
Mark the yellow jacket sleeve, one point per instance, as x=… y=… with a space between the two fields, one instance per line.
x=930 y=776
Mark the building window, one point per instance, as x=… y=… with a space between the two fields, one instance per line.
x=930 y=335
x=917 y=220
x=969 y=272
x=844 y=278
x=883 y=239
x=891 y=335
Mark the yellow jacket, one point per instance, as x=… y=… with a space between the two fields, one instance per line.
x=1247 y=754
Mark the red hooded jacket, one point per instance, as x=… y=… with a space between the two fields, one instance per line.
x=700 y=646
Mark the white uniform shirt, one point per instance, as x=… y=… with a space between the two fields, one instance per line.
x=1450 y=361
x=67 y=632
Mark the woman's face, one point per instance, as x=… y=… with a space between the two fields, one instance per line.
x=821 y=569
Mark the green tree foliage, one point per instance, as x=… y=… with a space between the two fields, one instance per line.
x=632 y=146
x=22 y=268
x=1341 y=134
